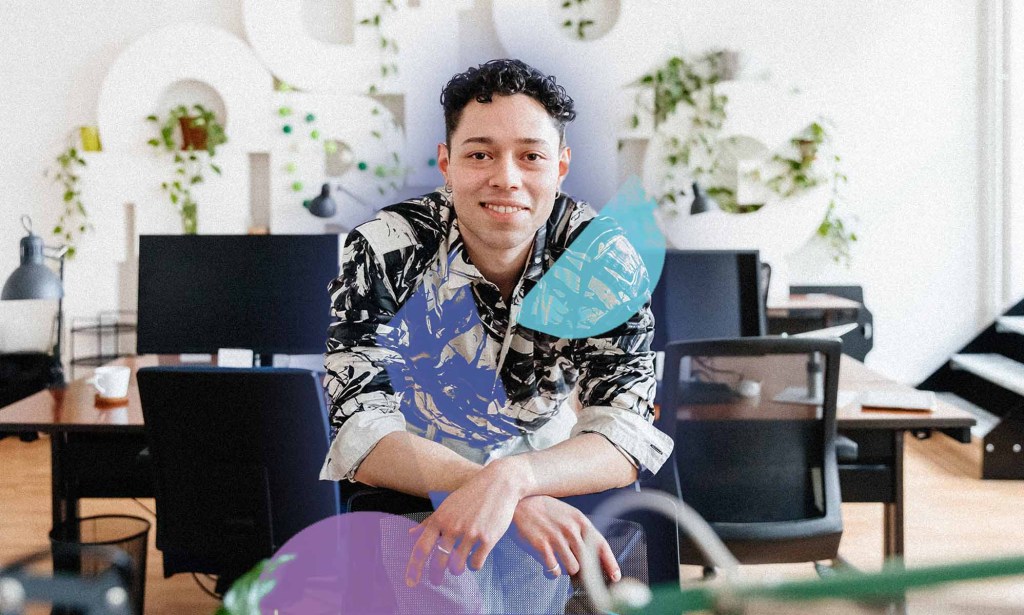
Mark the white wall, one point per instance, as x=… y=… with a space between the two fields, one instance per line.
x=898 y=79
x=53 y=58
x=1014 y=85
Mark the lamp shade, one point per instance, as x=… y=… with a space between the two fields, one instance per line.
x=701 y=201
x=322 y=205
x=33 y=279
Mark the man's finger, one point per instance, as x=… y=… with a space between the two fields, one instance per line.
x=459 y=557
x=608 y=562
x=548 y=559
x=442 y=552
x=571 y=554
x=420 y=553
x=476 y=562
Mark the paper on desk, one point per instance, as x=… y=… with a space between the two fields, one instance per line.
x=909 y=400
x=798 y=395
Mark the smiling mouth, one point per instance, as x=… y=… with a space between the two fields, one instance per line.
x=503 y=208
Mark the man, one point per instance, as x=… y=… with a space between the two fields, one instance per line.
x=434 y=385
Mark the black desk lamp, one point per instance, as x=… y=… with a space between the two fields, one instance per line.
x=702 y=202
x=34 y=280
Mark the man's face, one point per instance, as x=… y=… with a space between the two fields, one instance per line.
x=505 y=166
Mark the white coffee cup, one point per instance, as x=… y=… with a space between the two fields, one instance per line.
x=111 y=381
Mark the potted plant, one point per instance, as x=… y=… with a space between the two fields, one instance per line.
x=199 y=131
x=73 y=219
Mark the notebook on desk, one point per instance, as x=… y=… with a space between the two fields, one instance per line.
x=901 y=401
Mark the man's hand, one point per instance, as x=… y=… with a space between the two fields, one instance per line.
x=470 y=520
x=555 y=532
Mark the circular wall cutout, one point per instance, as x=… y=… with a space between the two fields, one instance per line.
x=190 y=92
x=170 y=61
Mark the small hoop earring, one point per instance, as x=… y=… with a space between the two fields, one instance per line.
x=447 y=188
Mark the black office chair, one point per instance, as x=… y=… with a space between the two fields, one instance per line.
x=760 y=469
x=236 y=456
x=858 y=342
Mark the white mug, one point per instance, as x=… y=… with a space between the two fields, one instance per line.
x=111 y=381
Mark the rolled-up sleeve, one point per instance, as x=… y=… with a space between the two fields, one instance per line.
x=363 y=406
x=617 y=386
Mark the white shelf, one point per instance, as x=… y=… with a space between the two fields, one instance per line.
x=1010 y=324
x=995 y=368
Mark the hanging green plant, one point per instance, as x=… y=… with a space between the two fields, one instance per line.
x=185 y=134
x=389 y=174
x=578 y=23
x=700 y=151
x=388 y=45
x=74 y=219
x=832 y=229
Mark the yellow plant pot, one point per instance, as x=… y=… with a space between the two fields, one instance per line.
x=90 y=138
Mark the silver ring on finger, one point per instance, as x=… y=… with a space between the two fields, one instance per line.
x=552 y=570
x=442 y=549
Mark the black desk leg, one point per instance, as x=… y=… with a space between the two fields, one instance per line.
x=64 y=504
x=893 y=521
x=894 y=515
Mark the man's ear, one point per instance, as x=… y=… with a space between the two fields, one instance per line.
x=563 y=164
x=442 y=160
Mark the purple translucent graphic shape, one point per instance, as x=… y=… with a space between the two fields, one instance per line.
x=355 y=563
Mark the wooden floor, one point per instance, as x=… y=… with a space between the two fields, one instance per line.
x=951 y=515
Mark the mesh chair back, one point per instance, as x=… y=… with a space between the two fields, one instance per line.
x=754 y=430
x=237 y=455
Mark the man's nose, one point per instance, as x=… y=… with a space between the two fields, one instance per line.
x=507 y=174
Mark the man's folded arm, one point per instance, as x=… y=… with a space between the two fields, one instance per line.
x=617 y=386
x=363 y=406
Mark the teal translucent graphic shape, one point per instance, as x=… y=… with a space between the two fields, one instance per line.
x=606 y=275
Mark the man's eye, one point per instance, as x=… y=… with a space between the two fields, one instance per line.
x=478 y=156
x=533 y=157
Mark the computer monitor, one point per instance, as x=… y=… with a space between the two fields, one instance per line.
x=268 y=293
x=708 y=294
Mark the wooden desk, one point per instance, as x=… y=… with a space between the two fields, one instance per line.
x=814 y=302
x=89 y=444
x=877 y=476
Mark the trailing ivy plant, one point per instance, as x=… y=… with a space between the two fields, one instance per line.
x=388 y=45
x=832 y=229
x=189 y=165
x=74 y=219
x=691 y=82
x=799 y=170
x=680 y=81
x=386 y=175
x=581 y=22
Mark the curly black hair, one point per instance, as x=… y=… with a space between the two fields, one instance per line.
x=505 y=77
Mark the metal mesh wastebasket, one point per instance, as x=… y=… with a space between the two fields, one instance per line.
x=82 y=547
